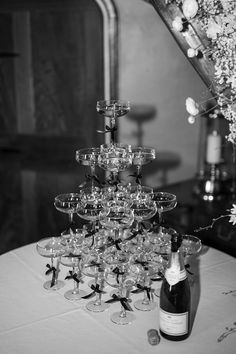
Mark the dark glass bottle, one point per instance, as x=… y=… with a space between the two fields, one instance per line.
x=175 y=296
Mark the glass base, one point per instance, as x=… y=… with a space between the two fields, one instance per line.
x=139 y=305
x=74 y=295
x=58 y=285
x=118 y=319
x=94 y=307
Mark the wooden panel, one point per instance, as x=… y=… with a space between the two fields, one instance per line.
x=51 y=85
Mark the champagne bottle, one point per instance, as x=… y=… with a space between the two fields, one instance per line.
x=175 y=296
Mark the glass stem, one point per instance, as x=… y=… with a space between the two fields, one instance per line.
x=139 y=178
x=97 y=301
x=75 y=270
x=71 y=221
x=145 y=298
x=57 y=269
x=92 y=171
x=113 y=123
x=122 y=312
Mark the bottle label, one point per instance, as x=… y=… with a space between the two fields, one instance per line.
x=174 y=324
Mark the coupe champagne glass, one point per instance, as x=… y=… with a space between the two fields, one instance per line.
x=72 y=258
x=94 y=266
x=145 y=269
x=112 y=109
x=68 y=203
x=142 y=156
x=89 y=157
x=52 y=247
x=191 y=246
x=164 y=202
x=117 y=265
x=115 y=158
x=143 y=210
x=91 y=206
x=116 y=216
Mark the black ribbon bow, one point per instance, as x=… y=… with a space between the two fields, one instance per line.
x=52 y=270
x=96 y=290
x=112 y=242
x=137 y=176
x=144 y=264
x=141 y=288
x=108 y=130
x=123 y=300
x=73 y=276
x=118 y=273
x=88 y=178
x=90 y=233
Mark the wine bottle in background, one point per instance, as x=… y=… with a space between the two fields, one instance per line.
x=175 y=296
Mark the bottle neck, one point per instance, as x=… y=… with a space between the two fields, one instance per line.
x=176 y=260
x=175 y=271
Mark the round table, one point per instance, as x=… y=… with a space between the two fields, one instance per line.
x=37 y=321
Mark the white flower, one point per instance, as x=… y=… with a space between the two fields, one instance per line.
x=191 y=107
x=177 y=24
x=213 y=29
x=190 y=8
x=191 y=52
x=233 y=210
x=233 y=215
x=191 y=119
x=233 y=219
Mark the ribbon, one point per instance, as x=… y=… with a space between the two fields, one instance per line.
x=138 y=177
x=108 y=130
x=73 y=276
x=95 y=289
x=123 y=300
x=133 y=235
x=113 y=182
x=52 y=270
x=142 y=263
x=141 y=288
x=95 y=264
x=187 y=266
x=90 y=233
x=114 y=243
x=118 y=273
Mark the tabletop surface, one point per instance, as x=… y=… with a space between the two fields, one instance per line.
x=34 y=320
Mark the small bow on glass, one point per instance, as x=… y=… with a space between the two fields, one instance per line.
x=96 y=290
x=51 y=269
x=141 y=288
x=118 y=273
x=108 y=130
x=123 y=300
x=138 y=177
x=73 y=276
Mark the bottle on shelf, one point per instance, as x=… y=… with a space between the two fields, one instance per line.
x=175 y=296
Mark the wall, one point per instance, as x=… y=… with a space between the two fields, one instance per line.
x=154 y=71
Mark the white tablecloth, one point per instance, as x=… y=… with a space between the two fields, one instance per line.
x=36 y=321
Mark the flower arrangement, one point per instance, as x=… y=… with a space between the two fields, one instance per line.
x=217 y=19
